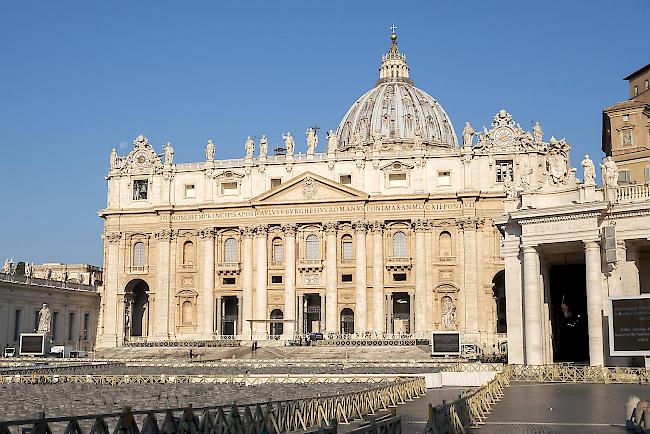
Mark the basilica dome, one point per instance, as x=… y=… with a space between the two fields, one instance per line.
x=395 y=114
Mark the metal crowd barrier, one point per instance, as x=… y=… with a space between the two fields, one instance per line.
x=568 y=373
x=176 y=344
x=270 y=417
x=368 y=342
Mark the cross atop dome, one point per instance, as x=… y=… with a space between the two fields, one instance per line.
x=393 y=64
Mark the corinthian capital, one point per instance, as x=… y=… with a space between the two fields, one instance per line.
x=165 y=234
x=206 y=233
x=330 y=227
x=470 y=223
x=289 y=229
x=376 y=227
x=420 y=225
x=247 y=231
x=360 y=225
x=113 y=237
x=261 y=230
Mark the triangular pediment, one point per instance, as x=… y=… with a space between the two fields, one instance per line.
x=309 y=187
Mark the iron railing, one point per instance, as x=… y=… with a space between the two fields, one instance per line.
x=569 y=373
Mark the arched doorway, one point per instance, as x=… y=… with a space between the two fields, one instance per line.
x=276 y=328
x=136 y=308
x=499 y=291
x=347 y=321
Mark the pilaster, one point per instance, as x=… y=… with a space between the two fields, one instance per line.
x=331 y=278
x=360 y=277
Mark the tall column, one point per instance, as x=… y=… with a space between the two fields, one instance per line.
x=594 y=303
x=470 y=286
x=300 y=314
x=162 y=316
x=420 y=227
x=219 y=313
x=322 y=313
x=361 y=310
x=289 y=277
x=331 y=277
x=412 y=315
x=391 y=324
x=632 y=265
x=378 y=299
x=247 y=280
x=532 y=307
x=111 y=271
x=238 y=330
x=207 y=299
x=261 y=277
x=514 y=311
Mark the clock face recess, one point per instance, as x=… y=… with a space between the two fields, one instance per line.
x=504 y=136
x=140 y=159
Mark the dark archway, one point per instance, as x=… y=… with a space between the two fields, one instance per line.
x=136 y=315
x=499 y=291
x=276 y=328
x=347 y=321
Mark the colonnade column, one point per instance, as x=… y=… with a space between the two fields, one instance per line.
x=162 y=316
x=289 y=278
x=378 y=299
x=300 y=314
x=533 y=307
x=360 y=284
x=247 y=280
x=331 y=277
x=322 y=313
x=261 y=277
x=238 y=330
x=110 y=313
x=390 y=325
x=594 y=303
x=207 y=299
x=469 y=226
x=514 y=311
x=420 y=227
x=219 y=312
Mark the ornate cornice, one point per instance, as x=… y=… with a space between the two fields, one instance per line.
x=420 y=225
x=289 y=229
x=261 y=231
x=330 y=227
x=206 y=233
x=470 y=223
x=360 y=226
x=376 y=227
x=559 y=218
x=247 y=231
x=165 y=234
x=113 y=237
x=445 y=223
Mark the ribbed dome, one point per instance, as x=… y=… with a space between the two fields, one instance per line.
x=395 y=113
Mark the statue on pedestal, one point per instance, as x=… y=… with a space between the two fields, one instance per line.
x=264 y=146
x=250 y=147
x=538 y=133
x=331 y=142
x=312 y=141
x=468 y=134
x=589 y=171
x=448 y=313
x=610 y=173
x=113 y=159
x=169 y=154
x=209 y=151
x=289 y=143
x=44 y=320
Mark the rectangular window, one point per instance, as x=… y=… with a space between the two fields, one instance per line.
x=275 y=182
x=646 y=175
x=444 y=178
x=71 y=326
x=636 y=90
x=17 y=325
x=229 y=188
x=278 y=252
x=55 y=320
x=397 y=180
x=647 y=85
x=140 y=188
x=276 y=279
x=624 y=176
x=626 y=117
x=190 y=191
x=399 y=277
x=86 y=325
x=503 y=168
x=346 y=278
x=345 y=179
x=229 y=280
x=347 y=249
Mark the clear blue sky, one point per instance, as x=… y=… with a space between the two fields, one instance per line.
x=77 y=78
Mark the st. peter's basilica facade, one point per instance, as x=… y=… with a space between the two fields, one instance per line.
x=388 y=231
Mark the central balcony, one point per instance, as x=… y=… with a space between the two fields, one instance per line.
x=310 y=264
x=395 y=263
x=228 y=268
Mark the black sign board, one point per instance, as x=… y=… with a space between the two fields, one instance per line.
x=32 y=344
x=629 y=326
x=445 y=344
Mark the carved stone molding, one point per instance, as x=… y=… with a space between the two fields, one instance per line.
x=376 y=227
x=261 y=231
x=330 y=227
x=247 y=232
x=113 y=237
x=470 y=223
x=420 y=225
x=206 y=233
x=165 y=234
x=360 y=226
x=445 y=223
x=289 y=229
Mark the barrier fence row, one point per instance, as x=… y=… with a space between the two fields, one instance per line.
x=271 y=417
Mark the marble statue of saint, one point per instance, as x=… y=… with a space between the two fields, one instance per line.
x=48 y=273
x=250 y=147
x=417 y=138
x=209 y=151
x=289 y=143
x=468 y=134
x=538 y=133
x=27 y=270
x=169 y=154
x=312 y=141
x=448 y=313
x=113 y=159
x=610 y=173
x=509 y=184
x=331 y=142
x=264 y=146
x=5 y=267
x=589 y=171
x=64 y=276
x=44 y=320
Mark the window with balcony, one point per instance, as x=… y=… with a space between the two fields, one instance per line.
x=312 y=247
x=230 y=250
x=138 y=255
x=346 y=247
x=399 y=245
x=188 y=253
x=140 y=189
x=278 y=250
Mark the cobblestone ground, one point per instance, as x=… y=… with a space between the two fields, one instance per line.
x=20 y=401
x=562 y=408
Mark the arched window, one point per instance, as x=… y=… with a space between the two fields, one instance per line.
x=346 y=247
x=445 y=244
x=312 y=250
x=276 y=328
x=230 y=250
x=138 y=254
x=399 y=245
x=278 y=250
x=186 y=313
x=188 y=253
